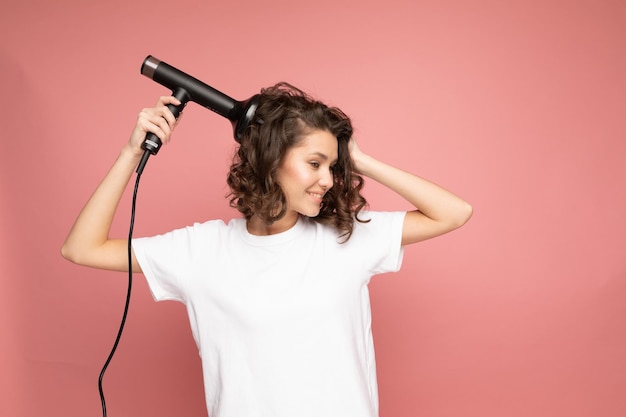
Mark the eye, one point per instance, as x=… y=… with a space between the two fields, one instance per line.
x=314 y=164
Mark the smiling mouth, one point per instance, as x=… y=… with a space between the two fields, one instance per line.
x=317 y=196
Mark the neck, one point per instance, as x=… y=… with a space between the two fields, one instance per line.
x=257 y=227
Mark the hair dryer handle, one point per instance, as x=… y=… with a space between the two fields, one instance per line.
x=151 y=144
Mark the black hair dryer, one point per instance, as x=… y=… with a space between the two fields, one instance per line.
x=187 y=88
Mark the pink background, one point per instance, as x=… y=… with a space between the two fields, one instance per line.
x=518 y=106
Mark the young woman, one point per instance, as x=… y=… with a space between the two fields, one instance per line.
x=277 y=299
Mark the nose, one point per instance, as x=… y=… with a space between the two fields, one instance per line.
x=326 y=179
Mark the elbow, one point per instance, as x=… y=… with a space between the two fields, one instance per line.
x=462 y=214
x=67 y=253
x=70 y=253
x=465 y=213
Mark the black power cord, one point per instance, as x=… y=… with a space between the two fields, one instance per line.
x=130 y=285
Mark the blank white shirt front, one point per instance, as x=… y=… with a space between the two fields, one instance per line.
x=282 y=322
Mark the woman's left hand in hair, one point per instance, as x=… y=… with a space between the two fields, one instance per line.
x=437 y=211
x=356 y=154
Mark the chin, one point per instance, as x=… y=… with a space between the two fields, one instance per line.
x=310 y=213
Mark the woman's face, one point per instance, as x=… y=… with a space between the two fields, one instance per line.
x=305 y=173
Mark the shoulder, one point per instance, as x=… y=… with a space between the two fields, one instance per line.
x=196 y=230
x=380 y=216
x=216 y=225
x=379 y=220
x=212 y=229
x=378 y=227
x=367 y=225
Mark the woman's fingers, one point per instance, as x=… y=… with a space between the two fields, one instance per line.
x=158 y=120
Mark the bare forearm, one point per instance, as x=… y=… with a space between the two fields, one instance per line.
x=437 y=211
x=90 y=231
x=88 y=242
x=432 y=200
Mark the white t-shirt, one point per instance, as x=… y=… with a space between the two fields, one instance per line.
x=282 y=322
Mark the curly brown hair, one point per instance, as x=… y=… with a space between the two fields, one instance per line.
x=284 y=116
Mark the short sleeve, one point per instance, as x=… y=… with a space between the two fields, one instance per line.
x=163 y=260
x=380 y=239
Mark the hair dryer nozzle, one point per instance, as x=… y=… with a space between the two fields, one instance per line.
x=248 y=109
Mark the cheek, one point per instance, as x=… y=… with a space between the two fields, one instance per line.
x=294 y=175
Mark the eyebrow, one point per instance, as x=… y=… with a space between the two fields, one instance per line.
x=321 y=155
